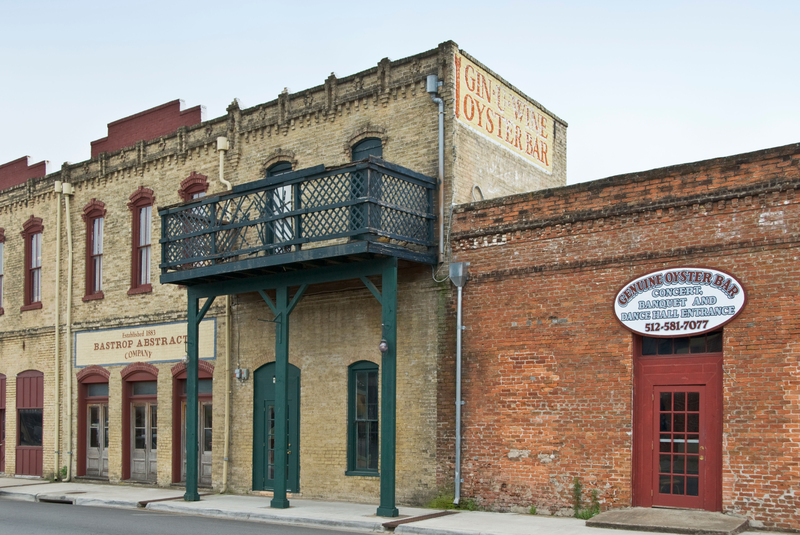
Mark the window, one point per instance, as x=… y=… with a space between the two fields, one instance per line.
x=195 y=186
x=32 y=234
x=2 y=246
x=372 y=146
x=704 y=343
x=141 y=207
x=363 y=448
x=282 y=203
x=94 y=217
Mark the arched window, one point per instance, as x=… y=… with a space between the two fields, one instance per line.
x=32 y=234
x=195 y=186
x=94 y=215
x=363 y=447
x=372 y=146
x=279 y=168
x=141 y=207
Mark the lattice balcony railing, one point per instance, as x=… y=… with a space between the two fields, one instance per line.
x=308 y=209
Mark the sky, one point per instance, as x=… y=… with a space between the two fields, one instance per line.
x=642 y=84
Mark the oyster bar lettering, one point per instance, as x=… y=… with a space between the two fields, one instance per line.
x=147 y=343
x=499 y=113
x=679 y=302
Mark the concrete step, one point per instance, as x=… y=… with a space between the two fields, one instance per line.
x=669 y=521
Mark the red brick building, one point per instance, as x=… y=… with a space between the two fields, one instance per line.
x=556 y=388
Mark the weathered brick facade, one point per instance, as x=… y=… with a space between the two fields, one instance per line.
x=163 y=150
x=549 y=376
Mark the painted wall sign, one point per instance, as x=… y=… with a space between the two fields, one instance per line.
x=680 y=301
x=501 y=114
x=160 y=342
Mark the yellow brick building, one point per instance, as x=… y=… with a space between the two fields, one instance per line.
x=95 y=311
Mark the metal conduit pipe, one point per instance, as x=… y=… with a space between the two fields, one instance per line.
x=57 y=434
x=222 y=146
x=68 y=191
x=432 y=86
x=459 y=276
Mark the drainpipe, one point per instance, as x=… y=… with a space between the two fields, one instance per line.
x=433 y=84
x=57 y=435
x=459 y=276
x=222 y=146
x=68 y=191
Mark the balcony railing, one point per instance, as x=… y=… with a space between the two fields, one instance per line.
x=312 y=214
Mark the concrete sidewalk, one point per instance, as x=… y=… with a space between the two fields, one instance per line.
x=348 y=516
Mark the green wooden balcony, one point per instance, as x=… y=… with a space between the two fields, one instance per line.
x=304 y=219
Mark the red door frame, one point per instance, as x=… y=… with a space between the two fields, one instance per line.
x=676 y=370
x=90 y=374
x=2 y=423
x=132 y=373
x=205 y=371
x=30 y=395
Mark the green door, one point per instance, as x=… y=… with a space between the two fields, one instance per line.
x=264 y=425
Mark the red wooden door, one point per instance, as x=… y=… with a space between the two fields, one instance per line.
x=680 y=435
x=677 y=437
x=30 y=411
x=2 y=423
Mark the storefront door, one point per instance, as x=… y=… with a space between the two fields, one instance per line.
x=264 y=425
x=204 y=432
x=97 y=440
x=678 y=423
x=144 y=448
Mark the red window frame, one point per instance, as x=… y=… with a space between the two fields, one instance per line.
x=94 y=213
x=142 y=199
x=32 y=227
x=193 y=187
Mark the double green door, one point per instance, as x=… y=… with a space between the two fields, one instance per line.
x=264 y=429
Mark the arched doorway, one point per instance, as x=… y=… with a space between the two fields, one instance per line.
x=205 y=423
x=264 y=425
x=92 y=458
x=140 y=422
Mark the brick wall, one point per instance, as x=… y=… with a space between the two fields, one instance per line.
x=18 y=171
x=548 y=372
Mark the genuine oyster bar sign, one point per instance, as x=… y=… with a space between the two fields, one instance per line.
x=679 y=302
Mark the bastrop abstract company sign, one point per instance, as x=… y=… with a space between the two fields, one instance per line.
x=680 y=301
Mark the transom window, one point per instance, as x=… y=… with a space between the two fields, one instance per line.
x=363 y=448
x=704 y=343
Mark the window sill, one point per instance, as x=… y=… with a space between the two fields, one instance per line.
x=143 y=289
x=33 y=306
x=363 y=473
x=93 y=297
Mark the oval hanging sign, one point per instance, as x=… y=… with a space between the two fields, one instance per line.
x=680 y=301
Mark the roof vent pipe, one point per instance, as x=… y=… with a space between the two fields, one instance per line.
x=459 y=275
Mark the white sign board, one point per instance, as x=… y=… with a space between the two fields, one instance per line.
x=681 y=301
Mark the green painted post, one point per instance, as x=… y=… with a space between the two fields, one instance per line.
x=388 y=388
x=192 y=336
x=279 y=500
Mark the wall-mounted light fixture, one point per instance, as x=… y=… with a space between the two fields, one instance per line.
x=383 y=346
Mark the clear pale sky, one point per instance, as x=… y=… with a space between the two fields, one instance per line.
x=642 y=84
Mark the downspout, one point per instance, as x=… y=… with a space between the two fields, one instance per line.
x=459 y=276
x=68 y=191
x=222 y=146
x=57 y=434
x=433 y=84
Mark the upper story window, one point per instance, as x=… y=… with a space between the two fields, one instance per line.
x=195 y=186
x=2 y=247
x=32 y=234
x=279 y=168
x=94 y=217
x=141 y=207
x=372 y=146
